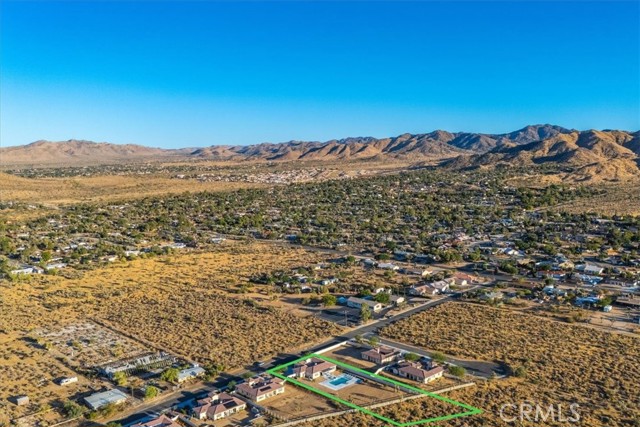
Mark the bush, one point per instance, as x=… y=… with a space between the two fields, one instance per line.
x=72 y=410
x=438 y=357
x=170 y=375
x=329 y=300
x=520 y=372
x=150 y=392
x=457 y=371
x=411 y=357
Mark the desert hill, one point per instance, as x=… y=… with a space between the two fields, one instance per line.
x=591 y=154
x=74 y=152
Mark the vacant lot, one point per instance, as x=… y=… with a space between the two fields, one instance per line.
x=564 y=364
x=558 y=363
x=28 y=369
x=189 y=304
x=195 y=304
x=296 y=402
x=95 y=188
x=87 y=344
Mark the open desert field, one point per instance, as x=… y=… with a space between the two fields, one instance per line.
x=56 y=191
x=26 y=368
x=564 y=364
x=187 y=304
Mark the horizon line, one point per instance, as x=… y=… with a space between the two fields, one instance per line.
x=313 y=140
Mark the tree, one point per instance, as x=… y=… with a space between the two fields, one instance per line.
x=170 y=375
x=374 y=341
x=120 y=378
x=365 y=313
x=411 y=357
x=150 y=392
x=382 y=297
x=457 y=371
x=329 y=300
x=438 y=357
x=231 y=385
x=72 y=410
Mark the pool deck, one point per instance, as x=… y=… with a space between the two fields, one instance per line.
x=339 y=382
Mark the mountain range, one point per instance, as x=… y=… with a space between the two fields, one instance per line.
x=606 y=154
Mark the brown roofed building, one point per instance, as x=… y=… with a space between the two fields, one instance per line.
x=311 y=368
x=161 y=421
x=259 y=387
x=415 y=371
x=217 y=406
x=381 y=355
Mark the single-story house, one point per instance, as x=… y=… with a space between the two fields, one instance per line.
x=388 y=266
x=416 y=272
x=368 y=262
x=625 y=283
x=440 y=287
x=396 y=299
x=190 y=373
x=464 y=279
x=415 y=371
x=421 y=290
x=495 y=295
x=27 y=269
x=381 y=355
x=217 y=406
x=590 y=269
x=311 y=369
x=161 y=421
x=355 y=302
x=259 y=388
x=98 y=400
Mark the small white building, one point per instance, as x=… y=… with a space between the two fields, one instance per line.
x=68 y=380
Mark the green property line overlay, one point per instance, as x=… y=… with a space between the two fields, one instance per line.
x=471 y=410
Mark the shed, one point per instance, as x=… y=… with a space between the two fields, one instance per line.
x=21 y=400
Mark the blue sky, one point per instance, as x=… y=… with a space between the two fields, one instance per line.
x=201 y=73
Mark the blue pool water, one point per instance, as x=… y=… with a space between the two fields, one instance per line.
x=339 y=381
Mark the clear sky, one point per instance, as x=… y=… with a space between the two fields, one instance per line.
x=201 y=73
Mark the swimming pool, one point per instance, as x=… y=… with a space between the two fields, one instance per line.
x=338 y=382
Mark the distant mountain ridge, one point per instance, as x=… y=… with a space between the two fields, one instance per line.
x=609 y=152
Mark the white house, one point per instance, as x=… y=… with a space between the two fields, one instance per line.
x=190 y=373
x=355 y=302
x=388 y=266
